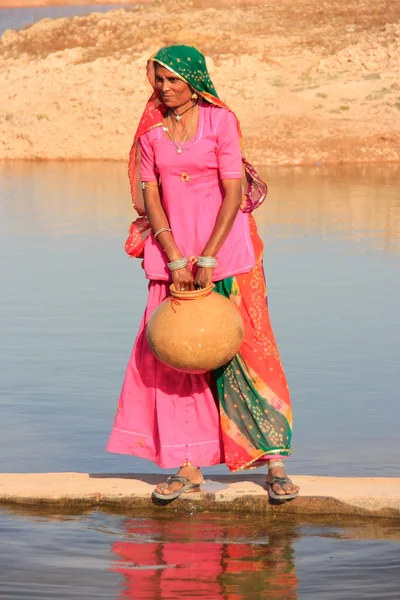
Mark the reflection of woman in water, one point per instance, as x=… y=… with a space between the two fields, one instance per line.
x=192 y=565
x=191 y=169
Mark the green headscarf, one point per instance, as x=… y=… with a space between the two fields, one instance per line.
x=189 y=64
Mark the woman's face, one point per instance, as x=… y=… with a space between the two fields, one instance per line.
x=174 y=92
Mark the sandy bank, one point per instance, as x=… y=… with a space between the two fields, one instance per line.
x=310 y=81
x=373 y=497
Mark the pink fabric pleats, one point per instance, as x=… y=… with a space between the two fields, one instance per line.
x=164 y=415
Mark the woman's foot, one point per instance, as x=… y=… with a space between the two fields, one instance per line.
x=276 y=470
x=192 y=473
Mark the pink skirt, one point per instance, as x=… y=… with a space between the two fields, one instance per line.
x=164 y=415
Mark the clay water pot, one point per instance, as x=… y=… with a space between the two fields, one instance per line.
x=195 y=331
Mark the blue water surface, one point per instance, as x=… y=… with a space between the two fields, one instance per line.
x=71 y=303
x=212 y=557
x=16 y=18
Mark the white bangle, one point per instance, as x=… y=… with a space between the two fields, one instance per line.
x=178 y=264
x=207 y=261
x=161 y=231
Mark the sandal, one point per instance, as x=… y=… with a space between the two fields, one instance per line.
x=186 y=486
x=280 y=497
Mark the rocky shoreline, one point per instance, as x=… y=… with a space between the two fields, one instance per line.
x=320 y=497
x=312 y=82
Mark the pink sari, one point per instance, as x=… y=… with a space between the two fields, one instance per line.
x=164 y=415
x=240 y=414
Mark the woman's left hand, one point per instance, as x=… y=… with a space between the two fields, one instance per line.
x=203 y=277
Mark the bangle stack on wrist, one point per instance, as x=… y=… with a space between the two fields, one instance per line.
x=209 y=262
x=175 y=265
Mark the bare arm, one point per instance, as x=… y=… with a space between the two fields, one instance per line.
x=183 y=278
x=223 y=225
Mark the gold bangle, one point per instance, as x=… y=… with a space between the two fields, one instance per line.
x=169 y=246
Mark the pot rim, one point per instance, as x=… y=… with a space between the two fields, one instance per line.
x=192 y=294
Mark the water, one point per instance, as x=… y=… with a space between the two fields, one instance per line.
x=205 y=556
x=16 y=18
x=70 y=305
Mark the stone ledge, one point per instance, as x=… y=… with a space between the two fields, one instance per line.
x=328 y=496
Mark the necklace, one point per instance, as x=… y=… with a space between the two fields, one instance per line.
x=179 y=145
x=178 y=117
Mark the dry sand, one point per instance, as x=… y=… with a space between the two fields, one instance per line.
x=310 y=80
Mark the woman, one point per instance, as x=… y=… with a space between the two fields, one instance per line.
x=191 y=170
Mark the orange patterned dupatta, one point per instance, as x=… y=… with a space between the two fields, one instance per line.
x=253 y=394
x=190 y=65
x=140 y=228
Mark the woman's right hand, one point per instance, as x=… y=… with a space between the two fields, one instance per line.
x=183 y=279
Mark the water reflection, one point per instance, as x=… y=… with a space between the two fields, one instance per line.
x=357 y=203
x=205 y=558
x=64 y=198
x=173 y=556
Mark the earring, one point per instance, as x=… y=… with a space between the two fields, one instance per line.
x=194 y=96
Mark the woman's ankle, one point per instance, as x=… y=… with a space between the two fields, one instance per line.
x=276 y=467
x=191 y=472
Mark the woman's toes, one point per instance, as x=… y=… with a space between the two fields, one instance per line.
x=162 y=488
x=279 y=489
x=169 y=489
x=290 y=488
x=286 y=488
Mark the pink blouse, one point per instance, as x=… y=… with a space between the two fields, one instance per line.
x=192 y=193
